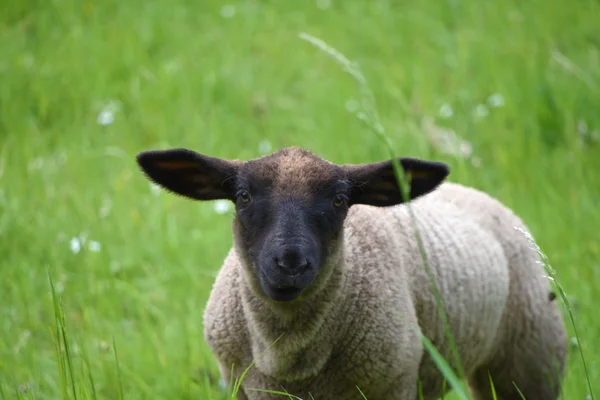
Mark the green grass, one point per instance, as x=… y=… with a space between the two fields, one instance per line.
x=182 y=75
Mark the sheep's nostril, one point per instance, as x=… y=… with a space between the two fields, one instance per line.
x=279 y=263
x=303 y=266
x=292 y=265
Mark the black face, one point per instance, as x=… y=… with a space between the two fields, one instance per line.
x=290 y=205
x=286 y=235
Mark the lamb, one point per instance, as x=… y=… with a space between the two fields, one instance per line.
x=326 y=290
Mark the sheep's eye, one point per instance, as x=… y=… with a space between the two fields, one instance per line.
x=339 y=200
x=244 y=196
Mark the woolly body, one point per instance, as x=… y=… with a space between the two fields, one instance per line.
x=326 y=267
x=361 y=328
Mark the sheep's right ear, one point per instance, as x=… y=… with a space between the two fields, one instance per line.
x=190 y=174
x=377 y=185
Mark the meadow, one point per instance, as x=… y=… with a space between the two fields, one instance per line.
x=507 y=93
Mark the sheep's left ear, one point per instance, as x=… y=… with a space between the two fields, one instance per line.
x=190 y=174
x=377 y=185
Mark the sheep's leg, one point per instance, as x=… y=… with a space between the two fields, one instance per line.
x=404 y=388
x=537 y=386
x=407 y=392
x=534 y=362
x=400 y=392
x=226 y=379
x=533 y=350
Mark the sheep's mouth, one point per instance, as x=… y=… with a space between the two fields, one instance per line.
x=283 y=288
x=283 y=293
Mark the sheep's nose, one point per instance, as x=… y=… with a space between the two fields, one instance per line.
x=292 y=262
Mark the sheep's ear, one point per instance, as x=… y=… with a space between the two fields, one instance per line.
x=377 y=185
x=190 y=174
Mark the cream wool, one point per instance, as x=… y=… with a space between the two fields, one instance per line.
x=357 y=322
x=359 y=331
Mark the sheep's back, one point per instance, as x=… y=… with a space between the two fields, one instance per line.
x=484 y=266
x=466 y=257
x=529 y=313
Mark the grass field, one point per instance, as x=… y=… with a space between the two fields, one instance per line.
x=86 y=85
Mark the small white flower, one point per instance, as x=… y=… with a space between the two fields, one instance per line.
x=323 y=4
x=94 y=246
x=155 y=189
x=106 y=117
x=75 y=245
x=352 y=105
x=265 y=146
x=481 y=111
x=495 y=100
x=446 y=111
x=222 y=206
x=574 y=342
x=107 y=114
x=228 y=11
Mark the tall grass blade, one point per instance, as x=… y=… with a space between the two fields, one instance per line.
x=373 y=121
x=519 y=391
x=60 y=356
x=67 y=353
x=563 y=295
x=283 y=394
x=238 y=382
x=119 y=380
x=231 y=383
x=405 y=186
x=361 y=393
x=444 y=389
x=574 y=69
x=494 y=396
x=443 y=366
x=420 y=390
x=89 y=374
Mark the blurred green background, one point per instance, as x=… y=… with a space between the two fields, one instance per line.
x=506 y=92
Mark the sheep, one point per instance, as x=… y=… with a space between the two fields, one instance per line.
x=326 y=291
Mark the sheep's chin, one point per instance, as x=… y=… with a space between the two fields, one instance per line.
x=283 y=288
x=282 y=294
